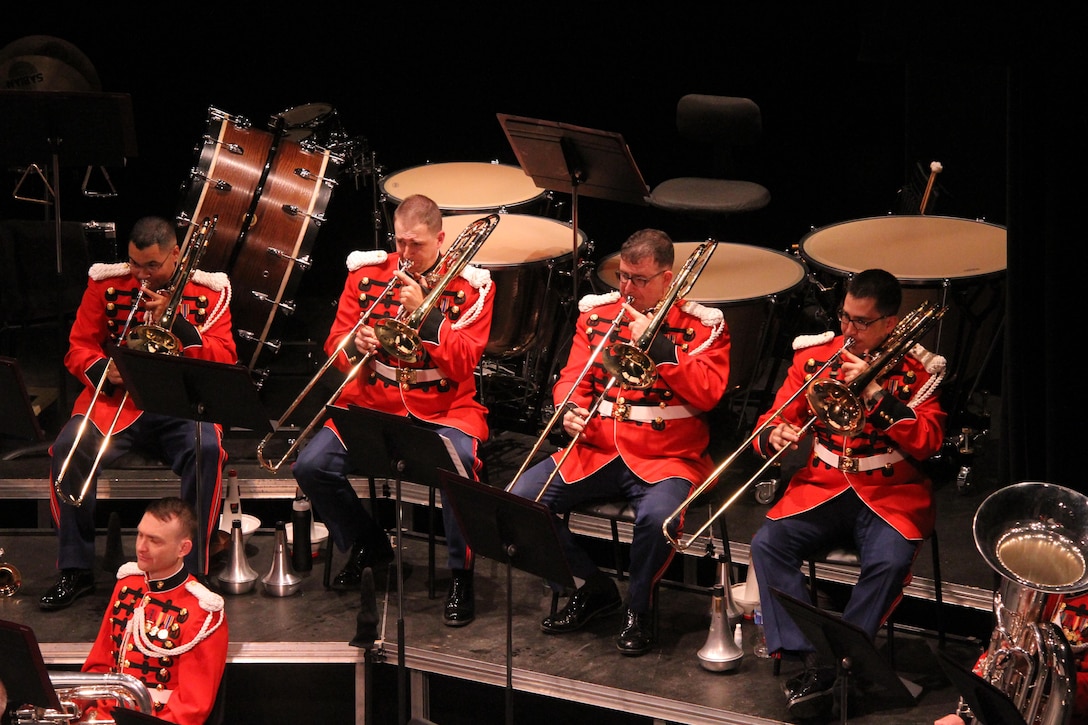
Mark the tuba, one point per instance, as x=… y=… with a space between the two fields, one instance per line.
x=76 y=689
x=837 y=404
x=155 y=338
x=399 y=336
x=1036 y=537
x=10 y=578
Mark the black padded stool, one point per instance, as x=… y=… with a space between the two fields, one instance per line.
x=726 y=124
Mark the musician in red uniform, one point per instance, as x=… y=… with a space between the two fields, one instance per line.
x=867 y=490
x=163 y=626
x=438 y=391
x=202 y=326
x=648 y=446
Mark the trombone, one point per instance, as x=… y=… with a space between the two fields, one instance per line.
x=155 y=338
x=837 y=404
x=398 y=337
x=627 y=363
x=403 y=266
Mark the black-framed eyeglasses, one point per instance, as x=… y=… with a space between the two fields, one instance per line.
x=635 y=279
x=151 y=267
x=859 y=325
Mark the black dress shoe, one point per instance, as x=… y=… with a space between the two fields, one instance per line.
x=72 y=585
x=362 y=555
x=460 y=602
x=635 y=638
x=814 y=695
x=588 y=601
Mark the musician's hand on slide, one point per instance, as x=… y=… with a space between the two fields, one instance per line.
x=574 y=420
x=113 y=376
x=365 y=339
x=411 y=293
x=784 y=434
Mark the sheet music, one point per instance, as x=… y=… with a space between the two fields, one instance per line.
x=453 y=456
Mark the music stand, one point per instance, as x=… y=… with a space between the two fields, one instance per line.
x=20 y=419
x=851 y=649
x=988 y=704
x=197 y=390
x=22 y=668
x=576 y=160
x=513 y=530
x=391 y=446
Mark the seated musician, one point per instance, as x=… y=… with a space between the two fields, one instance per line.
x=437 y=392
x=130 y=294
x=866 y=490
x=647 y=446
x=163 y=626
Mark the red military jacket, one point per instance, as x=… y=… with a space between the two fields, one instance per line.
x=440 y=386
x=202 y=324
x=905 y=427
x=171 y=634
x=660 y=432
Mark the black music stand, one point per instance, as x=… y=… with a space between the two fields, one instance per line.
x=576 y=160
x=988 y=704
x=517 y=531
x=391 y=446
x=19 y=419
x=852 y=650
x=197 y=390
x=22 y=668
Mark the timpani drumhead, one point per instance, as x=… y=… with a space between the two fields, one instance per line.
x=466 y=186
x=916 y=249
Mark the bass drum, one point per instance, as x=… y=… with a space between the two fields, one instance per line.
x=751 y=286
x=269 y=195
x=466 y=187
x=955 y=262
x=230 y=168
x=530 y=259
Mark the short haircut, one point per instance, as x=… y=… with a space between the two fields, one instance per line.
x=879 y=285
x=171 y=507
x=649 y=243
x=154 y=231
x=418 y=209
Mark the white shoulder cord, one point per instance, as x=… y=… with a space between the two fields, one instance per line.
x=136 y=631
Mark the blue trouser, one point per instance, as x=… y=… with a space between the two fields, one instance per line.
x=780 y=546
x=653 y=503
x=322 y=473
x=173 y=440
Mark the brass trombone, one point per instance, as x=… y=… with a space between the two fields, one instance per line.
x=627 y=363
x=398 y=337
x=156 y=338
x=837 y=404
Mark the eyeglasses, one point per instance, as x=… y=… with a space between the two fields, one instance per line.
x=151 y=267
x=859 y=325
x=636 y=281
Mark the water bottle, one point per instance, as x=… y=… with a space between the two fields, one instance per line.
x=759 y=640
x=301 y=519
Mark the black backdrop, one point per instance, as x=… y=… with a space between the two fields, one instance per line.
x=857 y=99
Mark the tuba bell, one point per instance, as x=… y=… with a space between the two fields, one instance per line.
x=10 y=579
x=1035 y=535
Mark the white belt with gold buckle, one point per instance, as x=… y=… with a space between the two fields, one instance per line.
x=855 y=464
x=646 y=412
x=409 y=375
